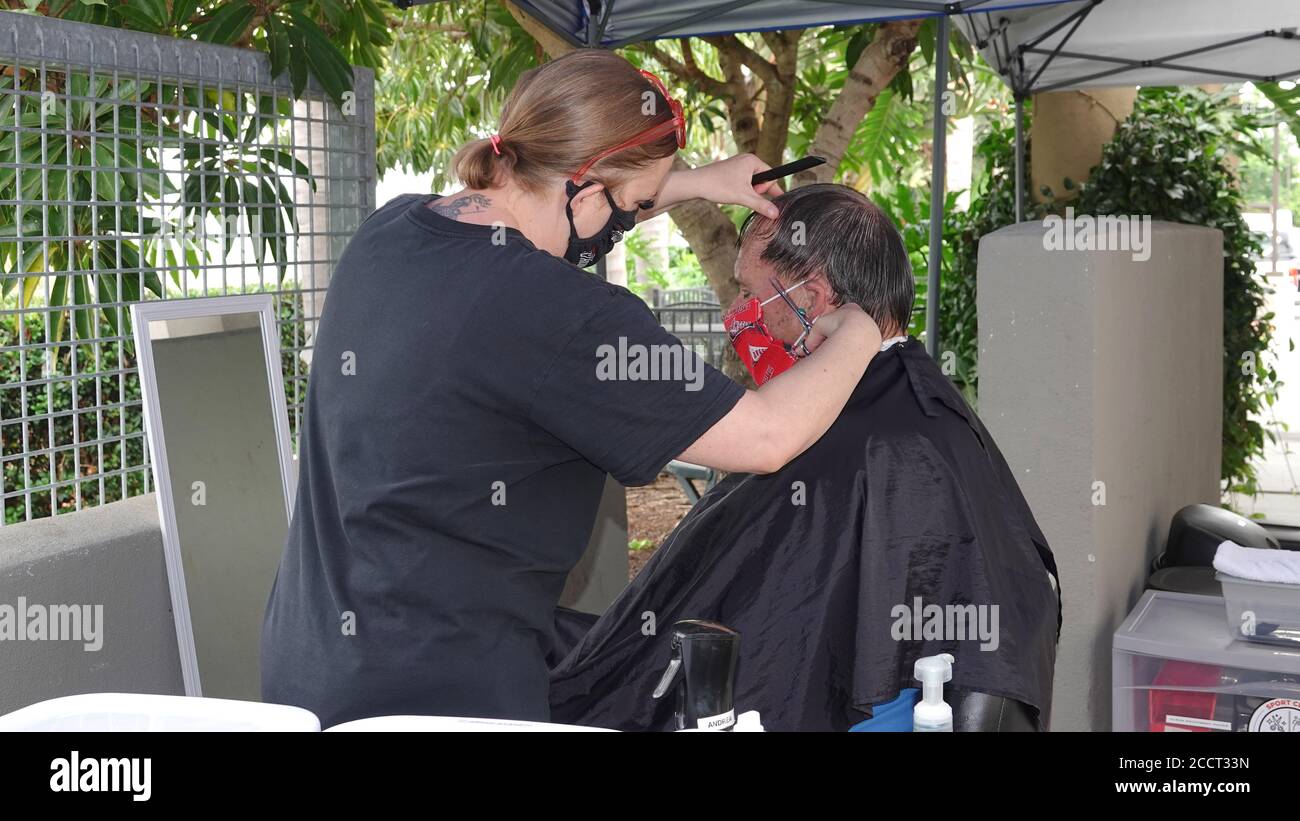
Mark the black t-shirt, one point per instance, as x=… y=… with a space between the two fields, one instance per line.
x=468 y=394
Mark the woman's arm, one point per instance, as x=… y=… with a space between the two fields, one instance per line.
x=725 y=181
x=772 y=425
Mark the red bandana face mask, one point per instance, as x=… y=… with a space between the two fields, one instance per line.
x=764 y=355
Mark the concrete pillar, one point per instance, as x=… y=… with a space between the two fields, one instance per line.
x=1101 y=379
x=1069 y=130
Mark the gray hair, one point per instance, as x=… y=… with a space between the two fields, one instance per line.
x=835 y=230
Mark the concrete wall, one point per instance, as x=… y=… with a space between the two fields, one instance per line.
x=113 y=556
x=110 y=556
x=1100 y=374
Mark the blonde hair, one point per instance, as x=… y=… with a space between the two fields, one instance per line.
x=562 y=114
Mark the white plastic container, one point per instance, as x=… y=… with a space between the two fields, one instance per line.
x=1175 y=667
x=455 y=724
x=1266 y=612
x=140 y=712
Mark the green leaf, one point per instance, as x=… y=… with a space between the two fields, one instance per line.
x=285 y=160
x=297 y=61
x=182 y=11
x=227 y=24
x=327 y=63
x=81 y=296
x=277 y=41
x=857 y=44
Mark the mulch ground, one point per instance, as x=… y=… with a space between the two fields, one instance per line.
x=652 y=512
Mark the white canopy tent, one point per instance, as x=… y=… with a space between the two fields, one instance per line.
x=1139 y=42
x=1037 y=45
x=1090 y=43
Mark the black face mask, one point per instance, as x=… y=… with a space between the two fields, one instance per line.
x=585 y=252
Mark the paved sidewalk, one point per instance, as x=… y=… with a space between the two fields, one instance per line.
x=1279 y=470
x=1279 y=481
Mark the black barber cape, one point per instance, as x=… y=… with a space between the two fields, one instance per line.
x=905 y=501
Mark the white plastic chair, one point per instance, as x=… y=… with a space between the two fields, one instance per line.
x=140 y=712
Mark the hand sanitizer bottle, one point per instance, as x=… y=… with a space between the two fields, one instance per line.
x=932 y=714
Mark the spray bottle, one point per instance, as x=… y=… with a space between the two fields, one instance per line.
x=932 y=714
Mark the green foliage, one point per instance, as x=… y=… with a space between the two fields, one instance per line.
x=1286 y=102
x=234 y=164
x=115 y=149
x=111 y=411
x=51 y=435
x=992 y=206
x=683 y=271
x=1171 y=160
x=231 y=171
x=317 y=38
x=448 y=72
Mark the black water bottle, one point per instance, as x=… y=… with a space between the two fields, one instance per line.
x=703 y=668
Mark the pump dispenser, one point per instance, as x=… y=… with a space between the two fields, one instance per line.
x=932 y=714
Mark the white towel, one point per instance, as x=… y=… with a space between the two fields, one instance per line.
x=1258 y=563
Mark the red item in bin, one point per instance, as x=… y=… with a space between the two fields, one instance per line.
x=1180 y=703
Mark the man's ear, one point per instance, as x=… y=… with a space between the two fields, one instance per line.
x=821 y=297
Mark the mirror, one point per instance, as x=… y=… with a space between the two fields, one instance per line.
x=218 y=434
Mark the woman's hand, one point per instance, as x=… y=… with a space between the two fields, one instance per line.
x=834 y=320
x=723 y=182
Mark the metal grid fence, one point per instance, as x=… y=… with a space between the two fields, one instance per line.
x=136 y=167
x=694 y=316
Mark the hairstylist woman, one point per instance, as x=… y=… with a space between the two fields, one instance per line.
x=459 y=425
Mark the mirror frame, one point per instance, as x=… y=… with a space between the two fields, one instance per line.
x=143 y=313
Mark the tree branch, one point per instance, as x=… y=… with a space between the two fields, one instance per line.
x=735 y=48
x=882 y=59
x=739 y=101
x=553 y=44
x=712 y=236
x=780 y=96
x=687 y=72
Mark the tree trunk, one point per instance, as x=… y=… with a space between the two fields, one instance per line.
x=886 y=55
x=712 y=237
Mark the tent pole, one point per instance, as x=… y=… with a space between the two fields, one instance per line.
x=937 y=186
x=594 y=27
x=1020 y=158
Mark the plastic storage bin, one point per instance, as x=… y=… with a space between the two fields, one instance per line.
x=1265 y=612
x=139 y=712
x=1177 y=668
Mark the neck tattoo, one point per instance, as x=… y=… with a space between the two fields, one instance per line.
x=464 y=205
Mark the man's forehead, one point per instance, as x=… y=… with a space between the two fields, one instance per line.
x=750 y=255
